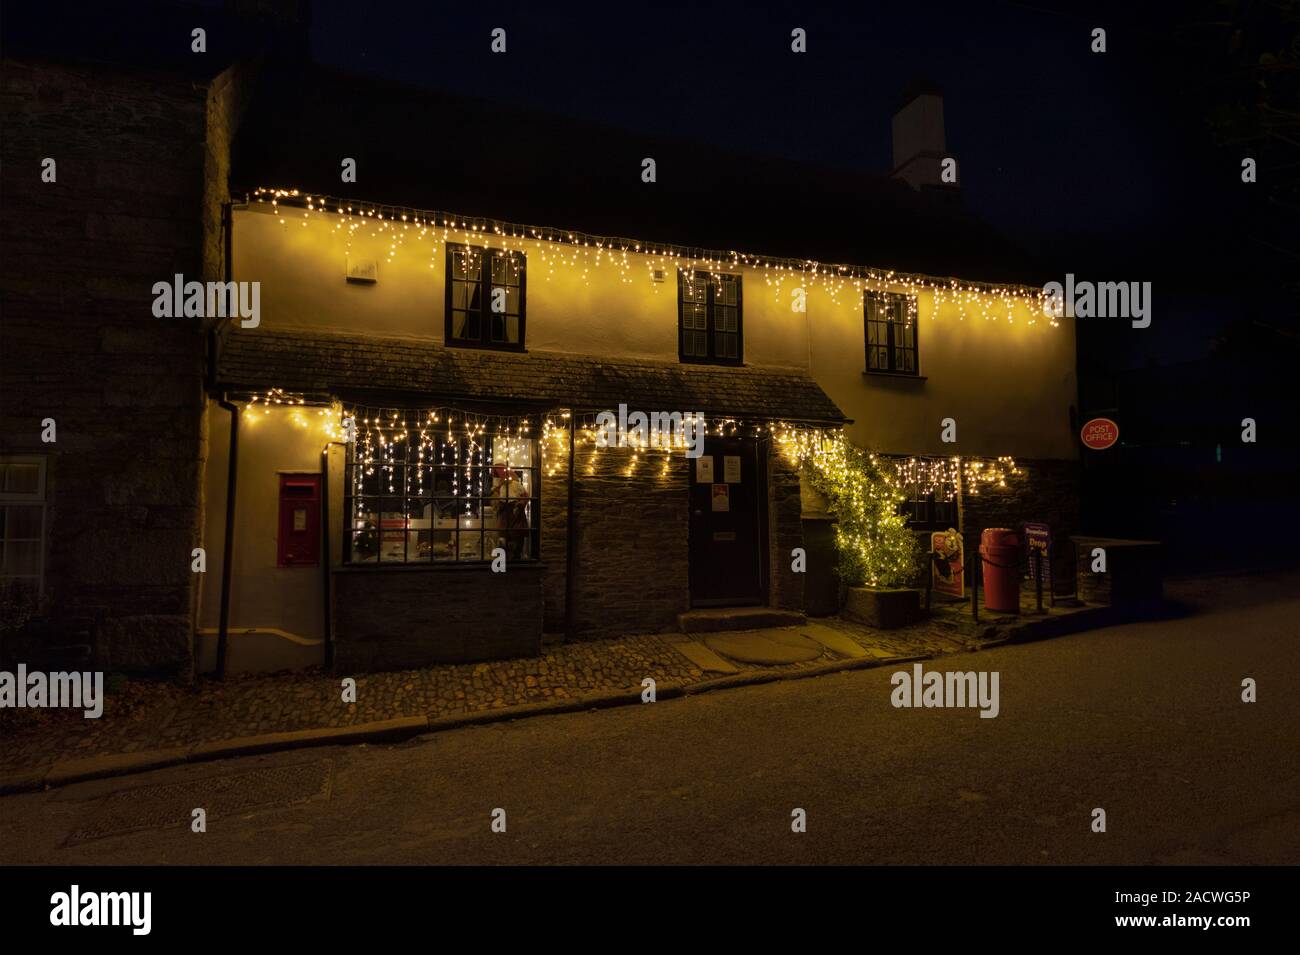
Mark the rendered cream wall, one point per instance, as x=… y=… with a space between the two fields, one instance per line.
x=1009 y=385
x=264 y=595
x=301 y=270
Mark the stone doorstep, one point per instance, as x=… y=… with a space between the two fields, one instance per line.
x=700 y=655
x=714 y=619
x=766 y=647
x=779 y=646
x=837 y=642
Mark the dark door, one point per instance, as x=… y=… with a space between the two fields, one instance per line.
x=726 y=523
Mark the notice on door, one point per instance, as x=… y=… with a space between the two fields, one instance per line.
x=704 y=470
x=721 y=497
x=731 y=468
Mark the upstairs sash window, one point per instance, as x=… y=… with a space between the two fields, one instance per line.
x=485 y=298
x=891 y=333
x=709 y=318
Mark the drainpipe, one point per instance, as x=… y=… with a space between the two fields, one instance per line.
x=571 y=545
x=227 y=555
x=214 y=346
x=326 y=559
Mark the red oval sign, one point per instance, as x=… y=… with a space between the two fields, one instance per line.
x=1099 y=433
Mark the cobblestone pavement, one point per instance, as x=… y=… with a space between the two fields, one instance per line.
x=146 y=715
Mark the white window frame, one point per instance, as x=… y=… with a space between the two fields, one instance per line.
x=35 y=497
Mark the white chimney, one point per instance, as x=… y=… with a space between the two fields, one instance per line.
x=919 y=148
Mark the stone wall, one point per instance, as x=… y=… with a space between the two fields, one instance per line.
x=400 y=618
x=227 y=97
x=555 y=544
x=1047 y=491
x=784 y=531
x=81 y=345
x=631 y=568
x=631 y=565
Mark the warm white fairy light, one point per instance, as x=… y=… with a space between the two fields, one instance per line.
x=583 y=252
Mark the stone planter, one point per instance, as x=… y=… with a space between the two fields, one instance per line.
x=883 y=608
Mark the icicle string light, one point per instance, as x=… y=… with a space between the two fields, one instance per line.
x=438 y=434
x=581 y=252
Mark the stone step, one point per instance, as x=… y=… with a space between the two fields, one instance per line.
x=714 y=619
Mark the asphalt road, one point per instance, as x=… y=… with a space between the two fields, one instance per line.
x=1145 y=721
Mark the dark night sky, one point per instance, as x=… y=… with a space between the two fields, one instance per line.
x=1088 y=157
x=1034 y=117
x=1101 y=162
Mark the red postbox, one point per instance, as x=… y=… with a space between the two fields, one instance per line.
x=299 y=543
x=1000 y=561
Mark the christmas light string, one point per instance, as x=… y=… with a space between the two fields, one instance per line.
x=378 y=429
x=580 y=250
x=865 y=490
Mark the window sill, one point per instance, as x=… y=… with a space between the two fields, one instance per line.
x=447 y=566
x=724 y=362
x=474 y=346
x=894 y=374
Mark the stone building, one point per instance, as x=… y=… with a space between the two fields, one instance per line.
x=395 y=460
x=113 y=177
x=114 y=167
x=426 y=592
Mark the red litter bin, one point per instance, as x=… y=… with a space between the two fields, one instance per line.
x=1000 y=559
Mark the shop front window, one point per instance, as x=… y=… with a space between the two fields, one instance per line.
x=929 y=508
x=434 y=497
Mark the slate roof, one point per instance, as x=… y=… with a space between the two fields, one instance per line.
x=360 y=368
x=437 y=150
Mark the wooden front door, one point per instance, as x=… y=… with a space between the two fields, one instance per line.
x=727 y=491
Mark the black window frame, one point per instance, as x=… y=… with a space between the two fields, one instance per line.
x=531 y=532
x=933 y=511
x=485 y=314
x=900 y=311
x=711 y=312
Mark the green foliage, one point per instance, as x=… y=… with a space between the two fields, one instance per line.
x=872 y=540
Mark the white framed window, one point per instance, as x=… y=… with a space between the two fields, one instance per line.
x=22 y=526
